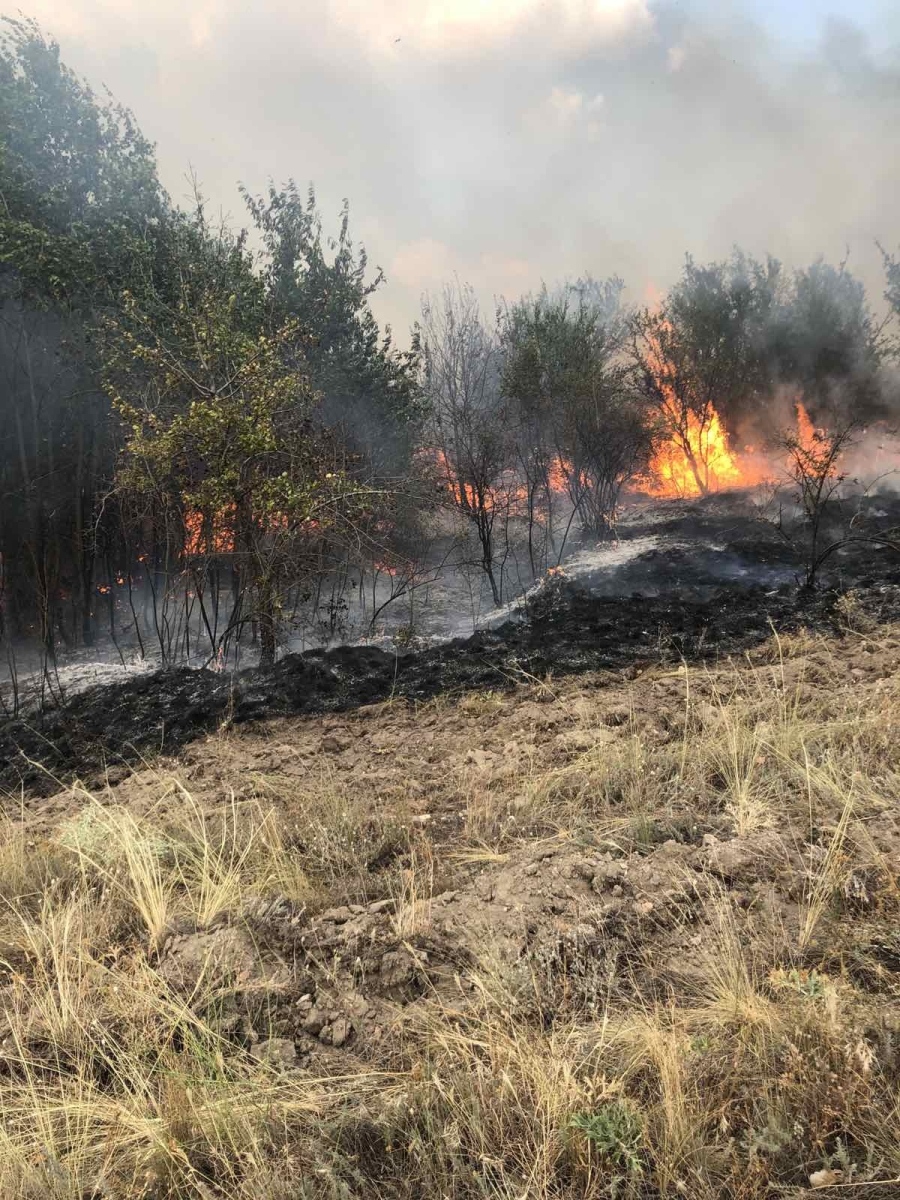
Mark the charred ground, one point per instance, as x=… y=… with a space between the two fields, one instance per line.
x=716 y=580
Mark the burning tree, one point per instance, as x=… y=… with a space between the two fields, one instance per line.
x=700 y=358
x=468 y=421
x=584 y=428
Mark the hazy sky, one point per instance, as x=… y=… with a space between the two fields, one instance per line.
x=514 y=141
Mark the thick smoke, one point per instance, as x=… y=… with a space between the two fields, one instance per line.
x=515 y=142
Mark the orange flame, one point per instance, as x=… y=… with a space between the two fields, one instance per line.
x=719 y=467
x=464 y=495
x=806 y=431
x=215 y=538
x=509 y=494
x=558 y=475
x=714 y=466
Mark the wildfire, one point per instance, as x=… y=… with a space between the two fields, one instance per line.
x=706 y=463
x=465 y=495
x=509 y=495
x=696 y=458
x=806 y=431
x=709 y=463
x=201 y=538
x=558 y=475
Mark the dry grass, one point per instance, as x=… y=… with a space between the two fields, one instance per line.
x=334 y=835
x=413 y=891
x=733 y=1044
x=114 y=1083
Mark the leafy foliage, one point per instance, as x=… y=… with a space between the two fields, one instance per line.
x=615 y=1132
x=77 y=177
x=219 y=404
x=827 y=344
x=211 y=387
x=565 y=370
x=367 y=386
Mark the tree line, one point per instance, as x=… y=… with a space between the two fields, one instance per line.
x=205 y=431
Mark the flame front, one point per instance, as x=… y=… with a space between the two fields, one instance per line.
x=697 y=457
x=203 y=538
x=806 y=431
x=509 y=495
x=709 y=464
x=696 y=462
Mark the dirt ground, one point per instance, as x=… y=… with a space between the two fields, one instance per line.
x=586 y=849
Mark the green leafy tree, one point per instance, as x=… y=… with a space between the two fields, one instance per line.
x=829 y=346
x=79 y=206
x=579 y=421
x=368 y=387
x=78 y=180
x=217 y=402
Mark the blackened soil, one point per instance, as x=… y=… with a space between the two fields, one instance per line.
x=567 y=629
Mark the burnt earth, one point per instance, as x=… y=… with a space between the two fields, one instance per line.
x=566 y=629
x=716 y=581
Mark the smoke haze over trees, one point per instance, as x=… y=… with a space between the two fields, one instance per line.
x=525 y=140
x=207 y=435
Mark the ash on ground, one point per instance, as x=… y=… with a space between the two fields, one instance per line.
x=685 y=581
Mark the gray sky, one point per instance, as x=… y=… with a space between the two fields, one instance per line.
x=515 y=141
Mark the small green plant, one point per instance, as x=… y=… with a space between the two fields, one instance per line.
x=807 y=983
x=768 y=1140
x=615 y=1132
x=840 y=1160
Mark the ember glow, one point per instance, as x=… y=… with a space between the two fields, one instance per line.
x=510 y=495
x=558 y=475
x=806 y=431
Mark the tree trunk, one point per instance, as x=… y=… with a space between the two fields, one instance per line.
x=267 y=624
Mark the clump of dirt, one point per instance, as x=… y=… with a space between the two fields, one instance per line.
x=562 y=923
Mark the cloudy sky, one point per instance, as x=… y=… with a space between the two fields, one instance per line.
x=514 y=141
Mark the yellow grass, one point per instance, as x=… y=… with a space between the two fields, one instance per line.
x=740 y=1038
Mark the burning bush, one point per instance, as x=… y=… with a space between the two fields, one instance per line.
x=581 y=427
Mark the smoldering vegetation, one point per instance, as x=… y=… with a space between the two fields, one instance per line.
x=212 y=455
x=704 y=587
